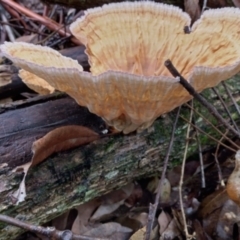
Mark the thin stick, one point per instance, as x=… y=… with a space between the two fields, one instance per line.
x=23 y=28
x=225 y=107
x=220 y=177
x=200 y=156
x=7 y=27
x=214 y=139
x=50 y=232
x=232 y=98
x=44 y=20
x=216 y=129
x=188 y=236
x=197 y=96
x=153 y=207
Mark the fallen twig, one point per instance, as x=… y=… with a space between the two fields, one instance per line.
x=231 y=97
x=200 y=155
x=49 y=232
x=153 y=207
x=212 y=138
x=220 y=177
x=188 y=236
x=225 y=107
x=197 y=96
x=44 y=20
x=214 y=127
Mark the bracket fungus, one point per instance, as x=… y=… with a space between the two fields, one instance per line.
x=127 y=44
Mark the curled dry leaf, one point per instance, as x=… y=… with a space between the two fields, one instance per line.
x=210 y=210
x=171 y=232
x=110 y=230
x=236 y=3
x=105 y=210
x=59 y=139
x=140 y=234
x=200 y=233
x=60 y=222
x=163 y=220
x=212 y=202
x=110 y=204
x=84 y=213
x=141 y=218
x=165 y=190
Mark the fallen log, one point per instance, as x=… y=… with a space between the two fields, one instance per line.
x=70 y=178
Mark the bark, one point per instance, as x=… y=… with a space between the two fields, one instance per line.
x=70 y=178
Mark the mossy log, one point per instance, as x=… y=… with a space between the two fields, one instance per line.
x=70 y=178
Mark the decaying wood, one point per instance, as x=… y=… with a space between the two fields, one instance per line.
x=21 y=126
x=70 y=178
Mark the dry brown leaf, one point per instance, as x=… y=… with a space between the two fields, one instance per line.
x=105 y=210
x=135 y=196
x=141 y=217
x=153 y=184
x=135 y=221
x=236 y=3
x=110 y=230
x=220 y=222
x=139 y=235
x=84 y=213
x=200 y=233
x=59 y=139
x=174 y=175
x=163 y=220
x=118 y=195
x=212 y=202
x=110 y=205
x=171 y=231
x=193 y=9
x=165 y=191
x=60 y=222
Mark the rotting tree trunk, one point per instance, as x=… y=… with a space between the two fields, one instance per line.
x=70 y=178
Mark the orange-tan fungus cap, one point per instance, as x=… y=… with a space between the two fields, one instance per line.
x=127 y=44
